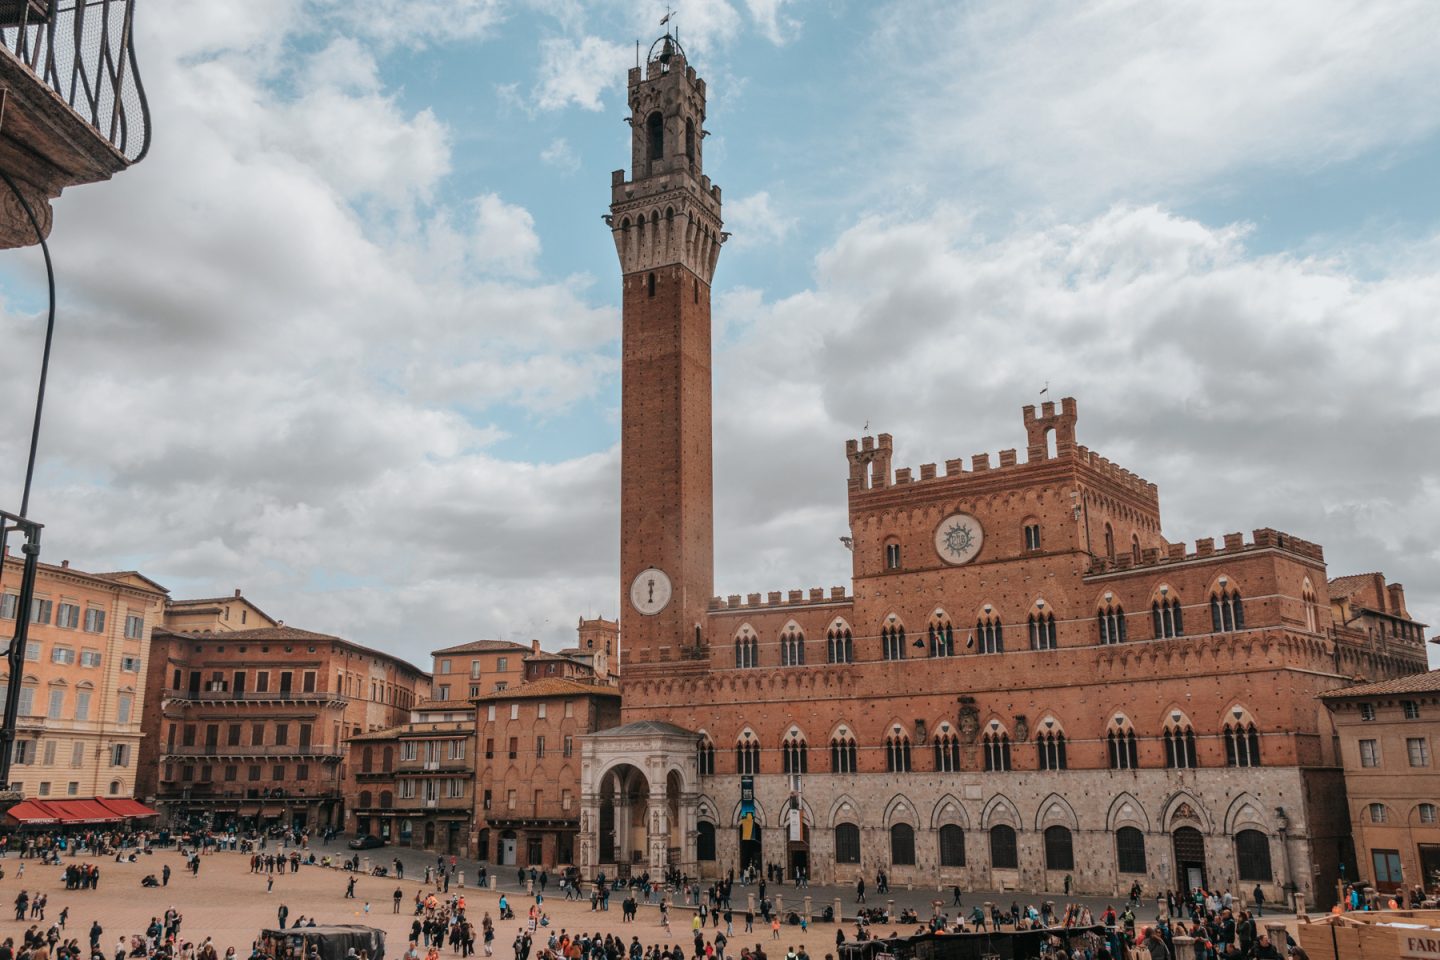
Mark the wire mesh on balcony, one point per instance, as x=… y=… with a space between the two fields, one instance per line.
x=84 y=51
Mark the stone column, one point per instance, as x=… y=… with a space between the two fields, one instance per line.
x=589 y=835
x=622 y=830
x=657 y=827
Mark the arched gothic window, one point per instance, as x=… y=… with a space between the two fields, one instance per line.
x=795 y=754
x=1179 y=745
x=947 y=753
x=747 y=650
x=842 y=755
x=996 y=746
x=1109 y=542
x=1227 y=610
x=655 y=135
x=839 y=646
x=1134 y=548
x=952 y=846
x=1059 y=849
x=942 y=637
x=1312 y=606
x=1042 y=631
x=747 y=757
x=897 y=753
x=847 y=843
x=1242 y=745
x=792 y=647
x=892 y=639
x=1121 y=747
x=1004 y=853
x=1050 y=749
x=1169 y=621
x=706 y=758
x=1112 y=624
x=1032 y=536
x=1129 y=850
x=902 y=845
x=1252 y=856
x=990 y=634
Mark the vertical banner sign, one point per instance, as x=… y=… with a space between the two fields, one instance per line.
x=747 y=808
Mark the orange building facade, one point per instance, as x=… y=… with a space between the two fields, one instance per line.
x=249 y=726
x=1027 y=680
x=79 y=725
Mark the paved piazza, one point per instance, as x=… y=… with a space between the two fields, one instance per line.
x=232 y=905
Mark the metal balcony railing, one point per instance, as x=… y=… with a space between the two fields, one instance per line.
x=84 y=51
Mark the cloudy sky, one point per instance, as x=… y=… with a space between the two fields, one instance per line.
x=347 y=339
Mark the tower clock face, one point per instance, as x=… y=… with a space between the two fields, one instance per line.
x=650 y=591
x=958 y=538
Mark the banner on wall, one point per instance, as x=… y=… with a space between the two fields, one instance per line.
x=747 y=808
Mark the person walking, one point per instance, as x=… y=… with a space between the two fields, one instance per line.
x=350 y=889
x=283 y=914
x=399 y=895
x=859 y=891
x=1259 y=898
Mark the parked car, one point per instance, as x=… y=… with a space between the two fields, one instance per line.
x=366 y=841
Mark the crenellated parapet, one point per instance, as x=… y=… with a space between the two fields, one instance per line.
x=777 y=598
x=1231 y=545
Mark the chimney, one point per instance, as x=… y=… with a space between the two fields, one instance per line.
x=237 y=591
x=64 y=564
x=534 y=646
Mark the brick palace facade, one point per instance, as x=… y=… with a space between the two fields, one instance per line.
x=1027 y=679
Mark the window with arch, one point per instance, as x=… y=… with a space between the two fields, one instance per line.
x=792 y=647
x=952 y=846
x=1050 y=750
x=1134 y=548
x=892 y=641
x=847 y=843
x=650 y=285
x=747 y=650
x=1179 y=739
x=902 y=845
x=1129 y=850
x=795 y=754
x=897 y=753
x=990 y=634
x=1109 y=541
x=114 y=786
x=705 y=758
x=1227 y=610
x=1121 y=747
x=1165 y=611
x=747 y=757
x=1312 y=606
x=892 y=556
x=1111 y=619
x=839 y=645
x=387 y=799
x=690 y=141
x=367 y=760
x=655 y=136
x=1032 y=536
x=942 y=637
x=1059 y=849
x=1377 y=812
x=705 y=841
x=1242 y=744
x=1042 y=631
x=364 y=798
x=996 y=747
x=1427 y=812
x=842 y=754
x=1004 y=852
x=1252 y=856
x=947 y=752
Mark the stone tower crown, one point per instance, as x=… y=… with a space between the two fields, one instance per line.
x=668 y=212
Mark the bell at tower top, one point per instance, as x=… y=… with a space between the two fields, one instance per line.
x=667 y=113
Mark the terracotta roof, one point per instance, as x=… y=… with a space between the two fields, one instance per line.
x=123 y=574
x=280 y=634
x=415 y=729
x=551 y=687
x=647 y=728
x=211 y=600
x=444 y=705
x=112 y=577
x=546 y=655
x=1414 y=683
x=1347 y=585
x=485 y=646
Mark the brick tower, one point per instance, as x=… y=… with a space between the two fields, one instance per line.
x=666 y=223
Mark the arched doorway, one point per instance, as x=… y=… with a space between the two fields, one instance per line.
x=797 y=845
x=624 y=802
x=752 y=851
x=1189 y=859
x=506 y=851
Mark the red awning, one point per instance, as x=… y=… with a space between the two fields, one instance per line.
x=33 y=812
x=125 y=807
x=78 y=812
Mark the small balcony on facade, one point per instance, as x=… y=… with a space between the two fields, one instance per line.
x=74 y=110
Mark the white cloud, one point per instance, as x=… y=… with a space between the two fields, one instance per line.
x=753 y=222
x=577 y=71
x=1101 y=100
x=504 y=238
x=770 y=20
x=560 y=155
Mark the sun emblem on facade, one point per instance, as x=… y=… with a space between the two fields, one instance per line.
x=958 y=538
